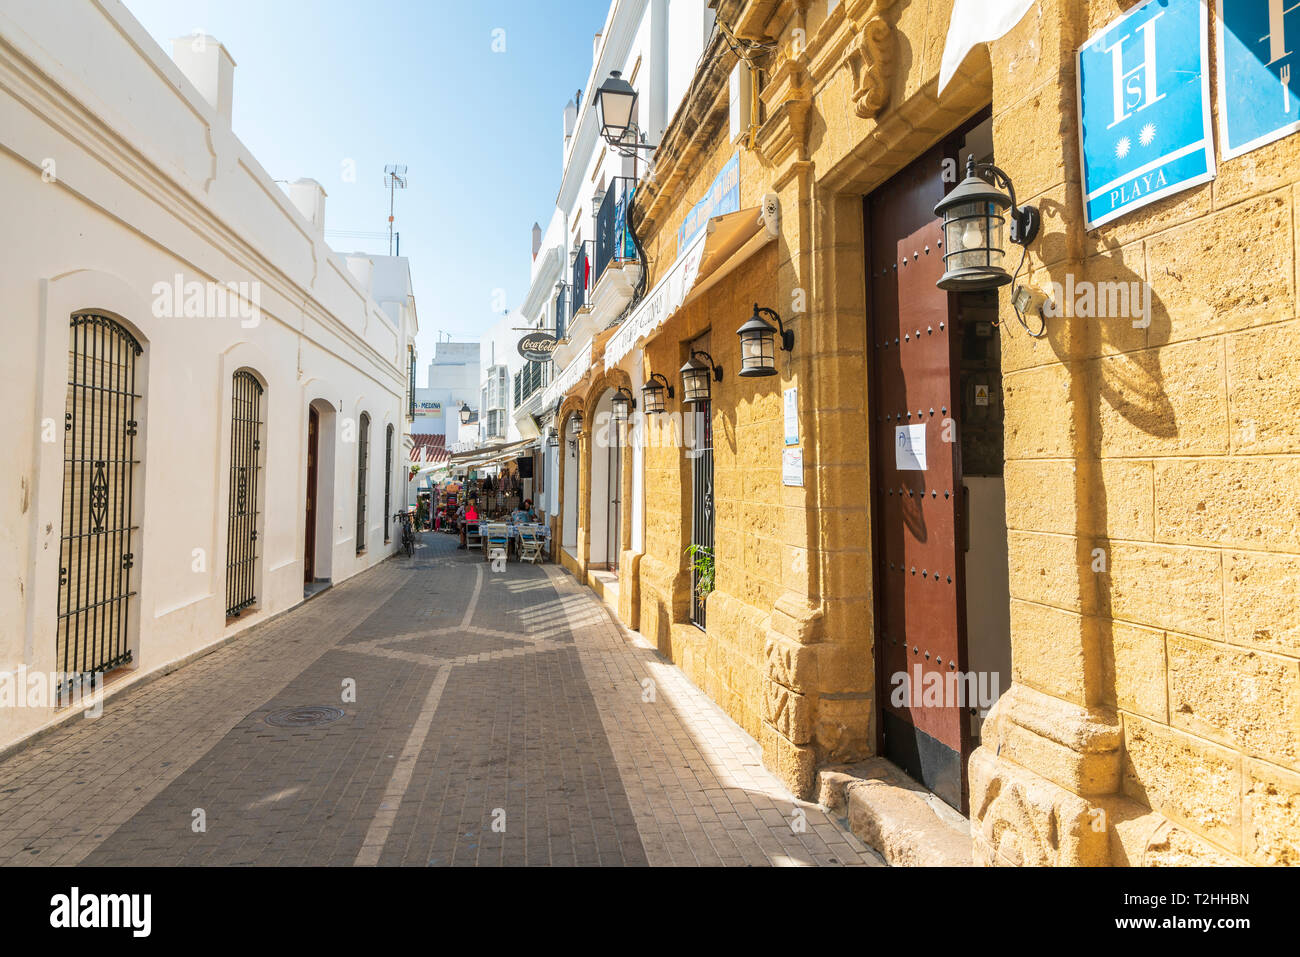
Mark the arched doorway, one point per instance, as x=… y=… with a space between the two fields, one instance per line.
x=318 y=551
x=607 y=442
x=569 y=502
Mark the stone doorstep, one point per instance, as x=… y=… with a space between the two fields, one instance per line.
x=605 y=585
x=905 y=823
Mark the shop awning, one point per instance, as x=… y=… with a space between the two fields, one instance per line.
x=490 y=455
x=724 y=243
x=567 y=379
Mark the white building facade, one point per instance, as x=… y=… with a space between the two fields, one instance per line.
x=210 y=406
x=588 y=274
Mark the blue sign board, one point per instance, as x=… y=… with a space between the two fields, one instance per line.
x=1144 y=108
x=723 y=197
x=1258 y=102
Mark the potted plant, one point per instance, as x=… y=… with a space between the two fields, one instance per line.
x=701 y=558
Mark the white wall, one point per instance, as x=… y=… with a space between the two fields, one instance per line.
x=176 y=195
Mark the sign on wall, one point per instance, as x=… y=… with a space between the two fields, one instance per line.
x=790 y=407
x=1144 y=108
x=428 y=408
x=537 y=346
x=723 y=196
x=1257 y=99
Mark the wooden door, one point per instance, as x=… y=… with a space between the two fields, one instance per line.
x=916 y=472
x=313 y=441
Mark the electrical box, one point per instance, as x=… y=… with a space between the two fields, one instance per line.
x=741 y=97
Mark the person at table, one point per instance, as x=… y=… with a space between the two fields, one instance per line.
x=470 y=515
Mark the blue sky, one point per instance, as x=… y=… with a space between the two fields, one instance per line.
x=319 y=82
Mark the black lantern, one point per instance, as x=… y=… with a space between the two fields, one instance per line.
x=621 y=404
x=553 y=439
x=652 y=393
x=758 y=342
x=973 y=228
x=695 y=377
x=464 y=414
x=575 y=422
x=615 y=101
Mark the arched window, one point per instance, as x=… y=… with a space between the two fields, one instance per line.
x=96 y=547
x=363 y=464
x=245 y=474
x=388 y=482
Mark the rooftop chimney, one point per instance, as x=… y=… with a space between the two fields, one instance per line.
x=362 y=268
x=207 y=64
x=537 y=239
x=309 y=196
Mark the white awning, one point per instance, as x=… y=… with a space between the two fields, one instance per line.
x=974 y=22
x=716 y=250
x=567 y=379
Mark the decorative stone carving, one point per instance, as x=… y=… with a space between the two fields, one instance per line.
x=874 y=58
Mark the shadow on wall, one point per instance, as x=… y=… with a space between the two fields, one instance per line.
x=1107 y=326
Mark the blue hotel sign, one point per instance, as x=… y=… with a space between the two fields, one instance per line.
x=1144 y=108
x=1257 y=99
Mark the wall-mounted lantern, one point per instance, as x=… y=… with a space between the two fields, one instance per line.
x=695 y=377
x=465 y=413
x=973 y=225
x=575 y=422
x=553 y=439
x=622 y=403
x=652 y=394
x=615 y=107
x=758 y=342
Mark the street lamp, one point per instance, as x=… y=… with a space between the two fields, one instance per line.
x=621 y=404
x=553 y=439
x=695 y=377
x=464 y=414
x=758 y=342
x=575 y=421
x=615 y=104
x=973 y=223
x=652 y=393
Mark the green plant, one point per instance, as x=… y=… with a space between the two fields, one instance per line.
x=702 y=563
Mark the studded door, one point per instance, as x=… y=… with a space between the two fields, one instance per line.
x=920 y=594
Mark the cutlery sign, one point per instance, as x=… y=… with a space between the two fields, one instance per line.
x=1144 y=108
x=1258 y=104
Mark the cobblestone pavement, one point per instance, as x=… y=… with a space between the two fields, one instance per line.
x=499 y=718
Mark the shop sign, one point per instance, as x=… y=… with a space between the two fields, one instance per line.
x=723 y=196
x=428 y=408
x=537 y=346
x=1144 y=108
x=1258 y=73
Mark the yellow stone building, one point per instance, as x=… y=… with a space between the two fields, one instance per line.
x=1113 y=530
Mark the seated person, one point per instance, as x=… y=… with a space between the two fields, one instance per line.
x=469 y=515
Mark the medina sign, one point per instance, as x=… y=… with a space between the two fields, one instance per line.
x=1144 y=108
x=538 y=346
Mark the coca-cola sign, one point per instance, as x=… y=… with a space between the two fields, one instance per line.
x=537 y=346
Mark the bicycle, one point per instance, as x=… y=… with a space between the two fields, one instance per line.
x=408 y=533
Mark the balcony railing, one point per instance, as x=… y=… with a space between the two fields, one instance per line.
x=582 y=278
x=613 y=240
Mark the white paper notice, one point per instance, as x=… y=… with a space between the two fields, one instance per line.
x=909 y=448
x=792 y=467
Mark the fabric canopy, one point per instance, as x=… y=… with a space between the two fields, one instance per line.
x=974 y=22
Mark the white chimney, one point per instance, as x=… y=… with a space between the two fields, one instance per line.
x=537 y=239
x=362 y=268
x=208 y=65
x=309 y=196
x=570 y=120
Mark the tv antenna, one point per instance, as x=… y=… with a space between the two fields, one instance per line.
x=394 y=179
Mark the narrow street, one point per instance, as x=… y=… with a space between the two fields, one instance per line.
x=499 y=718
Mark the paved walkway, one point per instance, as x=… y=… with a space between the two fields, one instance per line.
x=470 y=716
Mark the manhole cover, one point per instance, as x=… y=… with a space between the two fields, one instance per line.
x=309 y=716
